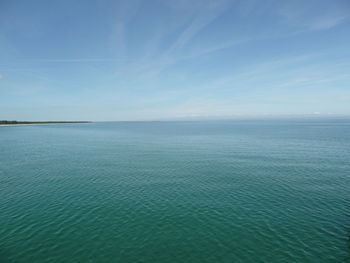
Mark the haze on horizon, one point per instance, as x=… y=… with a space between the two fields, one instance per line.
x=165 y=59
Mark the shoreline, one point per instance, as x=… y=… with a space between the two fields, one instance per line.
x=34 y=124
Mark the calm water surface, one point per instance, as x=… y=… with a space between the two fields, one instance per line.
x=229 y=191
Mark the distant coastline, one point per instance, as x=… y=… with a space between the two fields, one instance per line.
x=24 y=123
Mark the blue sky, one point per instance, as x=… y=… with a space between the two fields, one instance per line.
x=171 y=59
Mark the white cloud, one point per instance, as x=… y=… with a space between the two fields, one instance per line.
x=1 y=76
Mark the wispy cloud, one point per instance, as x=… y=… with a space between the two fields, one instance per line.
x=299 y=71
x=205 y=16
x=305 y=15
x=125 y=11
x=192 y=17
x=1 y=76
x=328 y=21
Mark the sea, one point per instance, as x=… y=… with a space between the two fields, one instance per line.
x=183 y=191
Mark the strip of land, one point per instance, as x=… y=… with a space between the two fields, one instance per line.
x=20 y=123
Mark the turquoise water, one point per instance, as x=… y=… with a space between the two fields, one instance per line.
x=229 y=191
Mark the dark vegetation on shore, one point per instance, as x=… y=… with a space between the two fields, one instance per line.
x=5 y=122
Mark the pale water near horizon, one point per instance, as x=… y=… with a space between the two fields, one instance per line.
x=220 y=191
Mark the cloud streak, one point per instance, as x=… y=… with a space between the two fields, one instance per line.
x=205 y=16
x=305 y=15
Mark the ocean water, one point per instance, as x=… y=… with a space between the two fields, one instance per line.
x=219 y=191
